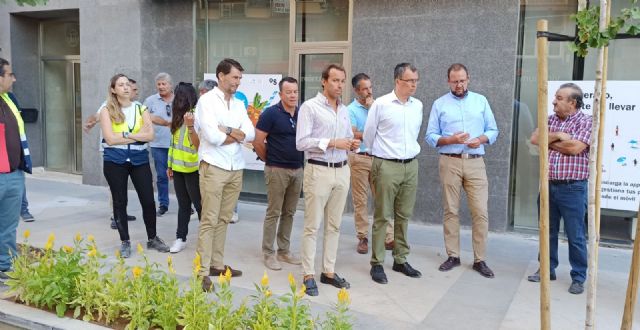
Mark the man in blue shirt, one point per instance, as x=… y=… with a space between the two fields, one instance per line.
x=460 y=124
x=275 y=144
x=159 y=106
x=360 y=164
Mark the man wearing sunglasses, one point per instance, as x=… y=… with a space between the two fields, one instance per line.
x=275 y=144
x=460 y=125
x=159 y=106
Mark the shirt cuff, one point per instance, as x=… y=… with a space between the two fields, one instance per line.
x=323 y=144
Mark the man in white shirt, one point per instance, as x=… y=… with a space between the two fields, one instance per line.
x=324 y=133
x=391 y=131
x=223 y=126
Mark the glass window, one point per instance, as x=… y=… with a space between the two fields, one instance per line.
x=322 y=20
x=525 y=175
x=311 y=66
x=60 y=38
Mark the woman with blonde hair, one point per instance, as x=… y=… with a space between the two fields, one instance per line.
x=126 y=129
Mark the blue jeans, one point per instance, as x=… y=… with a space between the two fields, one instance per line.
x=24 y=208
x=11 y=189
x=569 y=202
x=160 y=157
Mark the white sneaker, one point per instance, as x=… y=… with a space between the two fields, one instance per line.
x=178 y=246
x=235 y=218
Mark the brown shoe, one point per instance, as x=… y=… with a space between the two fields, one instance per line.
x=389 y=245
x=363 y=245
x=289 y=258
x=482 y=268
x=449 y=264
x=207 y=285
x=217 y=272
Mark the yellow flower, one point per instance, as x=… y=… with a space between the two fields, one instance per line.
x=303 y=290
x=170 y=264
x=136 y=271
x=265 y=279
x=227 y=275
x=292 y=280
x=92 y=253
x=140 y=249
x=196 y=263
x=50 y=240
x=67 y=249
x=78 y=237
x=26 y=234
x=117 y=253
x=91 y=238
x=221 y=279
x=343 y=296
x=267 y=293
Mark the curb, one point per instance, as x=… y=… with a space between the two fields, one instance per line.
x=32 y=318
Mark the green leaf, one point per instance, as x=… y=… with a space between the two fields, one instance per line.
x=60 y=309
x=76 y=312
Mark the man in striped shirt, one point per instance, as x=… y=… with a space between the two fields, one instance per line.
x=569 y=139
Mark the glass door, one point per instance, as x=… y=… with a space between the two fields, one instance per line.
x=62 y=115
x=308 y=69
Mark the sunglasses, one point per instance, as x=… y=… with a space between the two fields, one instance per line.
x=168 y=108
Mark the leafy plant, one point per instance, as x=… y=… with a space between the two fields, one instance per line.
x=339 y=318
x=167 y=298
x=90 y=285
x=296 y=314
x=195 y=308
x=589 y=35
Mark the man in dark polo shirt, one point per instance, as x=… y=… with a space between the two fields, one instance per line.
x=282 y=173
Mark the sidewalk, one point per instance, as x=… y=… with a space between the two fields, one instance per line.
x=459 y=299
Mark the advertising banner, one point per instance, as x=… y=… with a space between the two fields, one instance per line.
x=257 y=92
x=620 y=168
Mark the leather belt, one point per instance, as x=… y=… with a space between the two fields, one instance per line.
x=364 y=153
x=321 y=163
x=564 y=181
x=463 y=156
x=401 y=161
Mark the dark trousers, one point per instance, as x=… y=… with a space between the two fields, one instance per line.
x=187 y=186
x=117 y=176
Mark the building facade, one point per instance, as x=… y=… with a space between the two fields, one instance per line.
x=65 y=52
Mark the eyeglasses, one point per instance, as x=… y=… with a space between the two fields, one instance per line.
x=168 y=108
x=411 y=81
x=293 y=123
x=456 y=82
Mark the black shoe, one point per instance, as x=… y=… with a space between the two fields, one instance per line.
x=131 y=218
x=162 y=210
x=125 y=249
x=217 y=272
x=378 y=275
x=576 y=287
x=482 y=268
x=406 y=269
x=207 y=285
x=113 y=224
x=449 y=264
x=336 y=281
x=311 y=287
x=536 y=276
x=157 y=244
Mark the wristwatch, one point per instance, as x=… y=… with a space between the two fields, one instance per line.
x=229 y=130
x=126 y=135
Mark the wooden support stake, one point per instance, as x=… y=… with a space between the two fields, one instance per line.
x=543 y=143
x=632 y=285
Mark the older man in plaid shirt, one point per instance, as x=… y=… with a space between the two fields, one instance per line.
x=569 y=139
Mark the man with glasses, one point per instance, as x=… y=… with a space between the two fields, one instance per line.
x=14 y=161
x=391 y=133
x=159 y=106
x=460 y=124
x=360 y=164
x=275 y=144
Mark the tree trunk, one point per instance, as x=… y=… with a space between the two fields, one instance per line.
x=595 y=168
x=632 y=286
x=543 y=143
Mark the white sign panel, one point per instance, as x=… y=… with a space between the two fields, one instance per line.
x=257 y=92
x=620 y=168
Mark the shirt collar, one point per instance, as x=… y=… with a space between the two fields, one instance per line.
x=325 y=101
x=281 y=108
x=569 y=117
x=358 y=104
x=396 y=99
x=459 y=97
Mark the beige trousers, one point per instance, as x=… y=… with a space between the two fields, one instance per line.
x=219 y=190
x=283 y=191
x=325 y=195
x=471 y=175
x=361 y=183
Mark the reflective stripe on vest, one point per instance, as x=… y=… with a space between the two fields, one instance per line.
x=183 y=156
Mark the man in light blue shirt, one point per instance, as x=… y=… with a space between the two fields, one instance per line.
x=460 y=124
x=360 y=164
x=159 y=106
